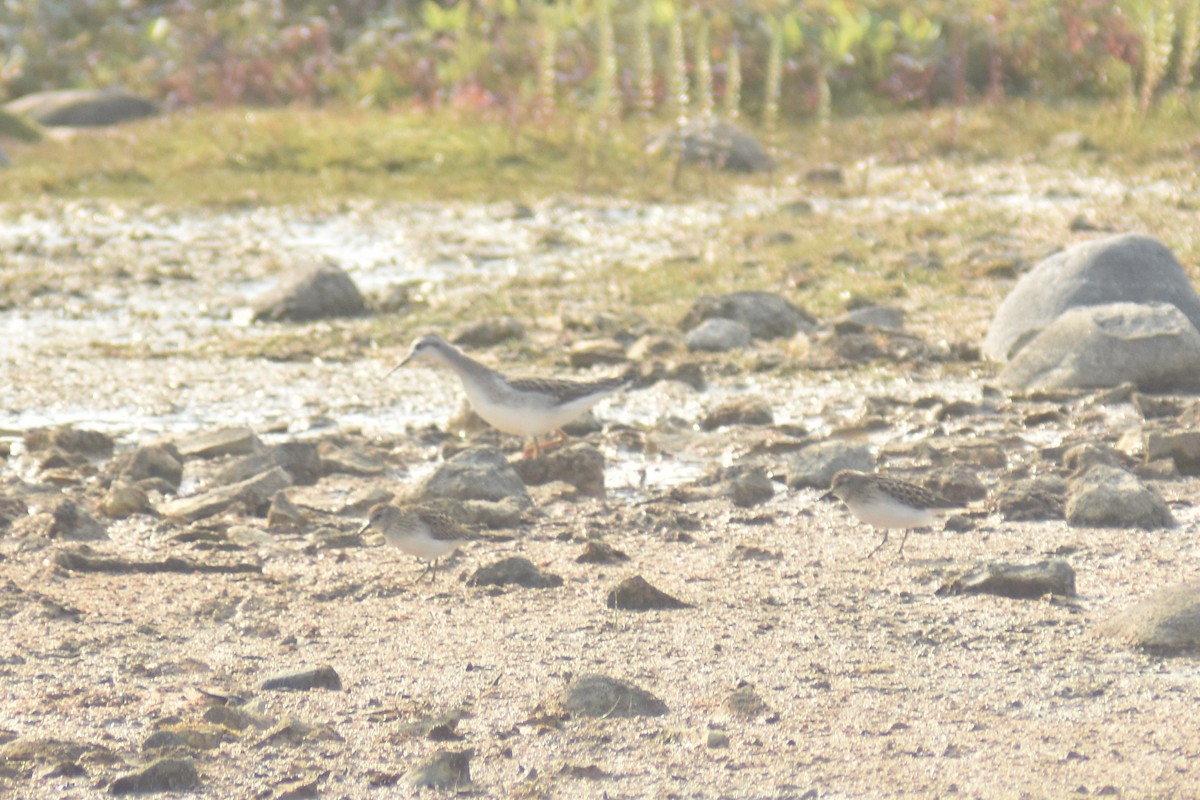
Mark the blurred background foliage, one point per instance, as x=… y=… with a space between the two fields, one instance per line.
x=609 y=58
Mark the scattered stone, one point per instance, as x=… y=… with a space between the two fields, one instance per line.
x=722 y=146
x=44 y=750
x=300 y=460
x=1110 y=497
x=636 y=594
x=90 y=444
x=81 y=560
x=235 y=718
x=82 y=108
x=883 y=317
x=1154 y=406
x=164 y=775
x=745 y=702
x=514 y=570
x=815 y=465
x=184 y=737
x=477 y=473
x=596 y=352
x=446 y=769
x=768 y=316
x=66 y=520
x=602 y=696
x=351 y=461
x=316 y=293
x=1022 y=582
x=745 y=484
x=1031 y=499
x=717 y=739
x=488 y=332
x=152 y=462
x=1167 y=622
x=284 y=513
x=717 y=335
x=123 y=500
x=579 y=464
x=1153 y=346
x=749 y=552
x=595 y=552
x=1182 y=447
x=299 y=789
x=745 y=410
x=654 y=346
x=253 y=493
x=960 y=486
x=1082 y=457
x=322 y=677
x=223 y=442
x=291 y=731
x=1120 y=269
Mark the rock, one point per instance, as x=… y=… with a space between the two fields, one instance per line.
x=1167 y=622
x=1120 y=269
x=91 y=444
x=745 y=484
x=446 y=769
x=66 y=520
x=164 y=775
x=283 y=513
x=602 y=696
x=184 y=737
x=1081 y=457
x=1110 y=497
x=1031 y=499
x=717 y=336
x=595 y=552
x=768 y=316
x=300 y=460
x=351 y=461
x=882 y=317
x=723 y=146
x=477 y=473
x=1023 y=582
x=1153 y=346
x=745 y=702
x=236 y=718
x=323 y=677
x=123 y=499
x=80 y=108
x=514 y=570
x=816 y=464
x=743 y=410
x=254 y=493
x=223 y=442
x=317 y=293
x=636 y=594
x=717 y=739
x=488 y=332
x=958 y=485
x=1183 y=447
x=579 y=464
x=157 y=461
x=596 y=352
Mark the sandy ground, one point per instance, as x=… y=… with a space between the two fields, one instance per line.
x=871 y=685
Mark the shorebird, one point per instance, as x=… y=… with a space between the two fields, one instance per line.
x=527 y=407
x=418 y=531
x=887 y=503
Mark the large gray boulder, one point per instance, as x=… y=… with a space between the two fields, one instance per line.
x=477 y=473
x=768 y=316
x=1126 y=268
x=1153 y=346
x=82 y=107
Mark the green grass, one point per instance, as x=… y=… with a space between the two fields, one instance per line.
x=270 y=156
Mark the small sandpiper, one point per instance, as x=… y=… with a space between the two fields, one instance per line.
x=418 y=531
x=527 y=407
x=887 y=503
